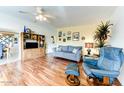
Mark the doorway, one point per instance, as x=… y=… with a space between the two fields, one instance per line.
x=9 y=47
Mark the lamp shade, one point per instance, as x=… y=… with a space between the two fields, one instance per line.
x=88 y=45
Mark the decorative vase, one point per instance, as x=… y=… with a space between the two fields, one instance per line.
x=88 y=51
x=24 y=29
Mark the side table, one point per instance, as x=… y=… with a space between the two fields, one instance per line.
x=90 y=57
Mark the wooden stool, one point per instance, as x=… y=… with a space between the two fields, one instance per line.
x=72 y=80
x=106 y=81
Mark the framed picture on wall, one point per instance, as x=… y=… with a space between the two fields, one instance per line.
x=75 y=36
x=64 y=34
x=15 y=40
x=64 y=39
x=69 y=33
x=68 y=38
x=60 y=34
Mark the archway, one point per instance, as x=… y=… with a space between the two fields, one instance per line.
x=9 y=47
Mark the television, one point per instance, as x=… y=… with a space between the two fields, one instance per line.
x=31 y=45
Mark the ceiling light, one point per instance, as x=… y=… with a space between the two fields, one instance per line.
x=41 y=18
x=44 y=18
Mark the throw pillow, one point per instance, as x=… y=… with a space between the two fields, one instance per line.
x=74 y=50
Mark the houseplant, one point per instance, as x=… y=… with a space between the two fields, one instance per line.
x=102 y=33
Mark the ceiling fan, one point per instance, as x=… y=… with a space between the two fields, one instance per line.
x=39 y=15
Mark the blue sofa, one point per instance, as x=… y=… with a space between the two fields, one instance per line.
x=68 y=52
x=108 y=64
x=1 y=51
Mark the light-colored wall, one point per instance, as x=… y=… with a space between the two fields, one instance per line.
x=15 y=24
x=117 y=38
x=85 y=30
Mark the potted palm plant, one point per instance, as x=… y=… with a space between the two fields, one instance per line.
x=102 y=34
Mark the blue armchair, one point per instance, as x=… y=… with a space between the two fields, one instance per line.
x=108 y=65
x=1 y=51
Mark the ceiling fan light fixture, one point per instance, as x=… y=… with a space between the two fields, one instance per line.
x=39 y=15
x=44 y=18
x=41 y=18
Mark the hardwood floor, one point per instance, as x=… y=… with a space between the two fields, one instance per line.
x=45 y=71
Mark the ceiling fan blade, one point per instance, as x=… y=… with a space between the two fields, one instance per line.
x=23 y=12
x=39 y=10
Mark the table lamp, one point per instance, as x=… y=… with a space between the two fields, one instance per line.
x=88 y=45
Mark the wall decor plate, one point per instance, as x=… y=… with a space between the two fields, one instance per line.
x=68 y=38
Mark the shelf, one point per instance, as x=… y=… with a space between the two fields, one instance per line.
x=39 y=38
x=30 y=53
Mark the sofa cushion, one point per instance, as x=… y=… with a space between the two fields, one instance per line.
x=64 y=48
x=59 y=49
x=70 y=48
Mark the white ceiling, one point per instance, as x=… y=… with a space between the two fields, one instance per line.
x=65 y=15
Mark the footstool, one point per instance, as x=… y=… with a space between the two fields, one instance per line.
x=72 y=74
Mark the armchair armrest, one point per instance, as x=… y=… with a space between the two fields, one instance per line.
x=54 y=49
x=90 y=60
x=111 y=74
